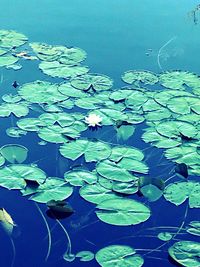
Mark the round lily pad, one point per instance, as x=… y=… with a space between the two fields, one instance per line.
x=118 y=255
x=122 y=212
x=186 y=253
x=57 y=69
x=95 y=81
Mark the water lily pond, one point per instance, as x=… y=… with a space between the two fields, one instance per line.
x=95 y=169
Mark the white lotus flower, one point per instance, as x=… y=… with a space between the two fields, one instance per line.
x=93 y=120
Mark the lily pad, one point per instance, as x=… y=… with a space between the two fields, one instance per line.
x=95 y=193
x=19 y=110
x=165 y=236
x=95 y=81
x=186 y=253
x=53 y=188
x=85 y=255
x=41 y=92
x=145 y=77
x=56 y=69
x=194 y=228
x=177 y=193
x=122 y=212
x=14 y=153
x=10 y=39
x=12 y=176
x=112 y=171
x=118 y=255
x=92 y=150
x=80 y=177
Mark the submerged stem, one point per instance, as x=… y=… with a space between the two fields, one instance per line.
x=14 y=252
x=69 y=249
x=48 y=232
x=160 y=50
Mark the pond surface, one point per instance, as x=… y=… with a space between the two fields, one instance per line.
x=100 y=119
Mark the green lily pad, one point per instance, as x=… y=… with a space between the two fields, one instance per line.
x=10 y=39
x=56 y=69
x=63 y=54
x=19 y=110
x=7 y=60
x=145 y=77
x=112 y=171
x=124 y=132
x=41 y=92
x=95 y=81
x=12 y=176
x=2 y=160
x=92 y=150
x=172 y=129
x=122 y=212
x=165 y=236
x=120 y=152
x=68 y=90
x=194 y=228
x=9 y=98
x=95 y=193
x=57 y=134
x=133 y=165
x=63 y=119
x=30 y=124
x=186 y=253
x=118 y=255
x=136 y=100
x=15 y=132
x=184 y=154
x=151 y=188
x=53 y=188
x=14 y=153
x=177 y=193
x=85 y=255
x=80 y=177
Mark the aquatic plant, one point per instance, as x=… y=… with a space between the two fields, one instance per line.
x=114 y=176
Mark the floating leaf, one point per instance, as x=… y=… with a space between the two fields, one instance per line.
x=96 y=193
x=19 y=110
x=124 y=132
x=178 y=192
x=186 y=253
x=14 y=153
x=122 y=212
x=95 y=81
x=41 y=92
x=85 y=255
x=112 y=171
x=92 y=150
x=15 y=132
x=56 y=69
x=30 y=124
x=151 y=188
x=133 y=165
x=118 y=255
x=12 y=176
x=9 y=98
x=11 y=39
x=194 y=228
x=53 y=188
x=145 y=77
x=120 y=152
x=165 y=236
x=80 y=177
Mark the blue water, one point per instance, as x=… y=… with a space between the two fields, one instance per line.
x=116 y=35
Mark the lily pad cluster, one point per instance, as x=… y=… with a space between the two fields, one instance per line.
x=168 y=104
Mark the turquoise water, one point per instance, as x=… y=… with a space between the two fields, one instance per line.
x=117 y=36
